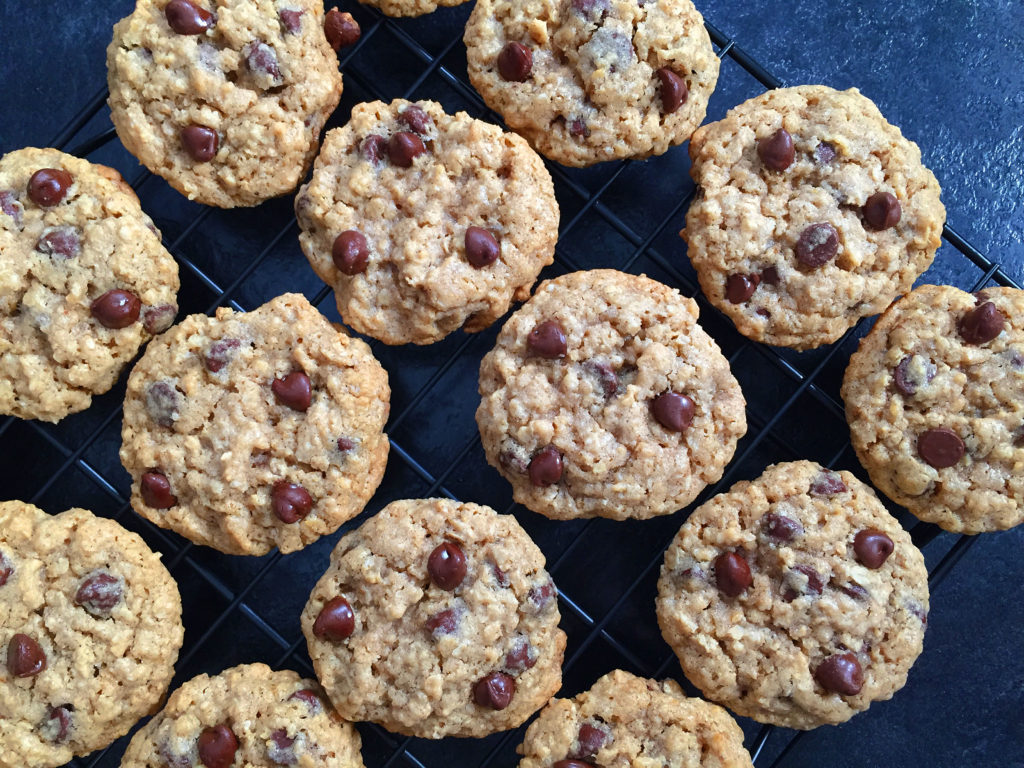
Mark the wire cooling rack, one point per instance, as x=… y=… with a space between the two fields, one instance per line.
x=624 y=215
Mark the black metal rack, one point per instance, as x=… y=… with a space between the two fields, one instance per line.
x=241 y=609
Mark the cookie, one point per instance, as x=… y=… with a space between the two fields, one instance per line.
x=592 y=80
x=247 y=715
x=604 y=397
x=812 y=212
x=90 y=627
x=84 y=282
x=424 y=222
x=403 y=8
x=436 y=619
x=247 y=431
x=624 y=720
x=933 y=398
x=223 y=98
x=795 y=599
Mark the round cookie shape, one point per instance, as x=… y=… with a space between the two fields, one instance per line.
x=424 y=222
x=251 y=430
x=812 y=212
x=628 y=720
x=90 y=633
x=933 y=399
x=434 y=619
x=407 y=8
x=795 y=599
x=84 y=282
x=225 y=99
x=246 y=715
x=604 y=397
x=592 y=80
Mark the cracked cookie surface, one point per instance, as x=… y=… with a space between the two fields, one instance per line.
x=424 y=222
x=70 y=234
x=223 y=98
x=795 y=599
x=90 y=627
x=812 y=212
x=933 y=398
x=603 y=396
x=592 y=80
x=251 y=430
x=436 y=619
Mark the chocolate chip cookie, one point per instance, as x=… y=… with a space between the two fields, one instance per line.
x=251 y=430
x=223 y=98
x=410 y=7
x=624 y=720
x=795 y=599
x=812 y=212
x=247 y=715
x=592 y=80
x=90 y=627
x=84 y=282
x=933 y=397
x=435 y=619
x=604 y=397
x=424 y=222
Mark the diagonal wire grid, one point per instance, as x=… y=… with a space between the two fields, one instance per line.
x=246 y=609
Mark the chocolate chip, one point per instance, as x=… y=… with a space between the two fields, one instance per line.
x=982 y=324
x=350 y=252
x=60 y=241
x=794 y=586
x=6 y=569
x=572 y=764
x=373 y=148
x=499 y=575
x=199 y=142
x=341 y=29
x=345 y=445
x=187 y=18
x=261 y=59
x=291 y=20
x=739 y=288
x=588 y=7
x=281 y=750
x=9 y=204
x=856 y=591
x=217 y=746
x=482 y=248
x=673 y=90
x=220 y=353
x=776 y=151
x=443 y=623
x=780 y=527
x=818 y=245
x=824 y=153
x=116 y=309
x=940 y=447
x=521 y=657
x=770 y=276
x=447 y=565
x=881 y=211
x=99 y=593
x=158 y=319
x=912 y=373
x=542 y=595
x=827 y=484
x=336 y=620
x=515 y=62
x=163 y=403
x=58 y=724
x=404 y=147
x=606 y=376
x=732 y=574
x=290 y=502
x=416 y=119
x=156 y=490
x=513 y=460
x=578 y=128
x=24 y=656
x=48 y=186
x=589 y=742
x=872 y=547
x=840 y=674
x=547 y=340
x=293 y=391
x=310 y=698
x=918 y=610
x=673 y=411
x=546 y=467
x=494 y=691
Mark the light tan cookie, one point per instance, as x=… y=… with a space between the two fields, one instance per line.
x=934 y=400
x=604 y=397
x=223 y=98
x=795 y=599
x=84 y=282
x=403 y=8
x=424 y=222
x=436 y=619
x=592 y=80
x=251 y=430
x=624 y=720
x=248 y=715
x=90 y=627
x=812 y=212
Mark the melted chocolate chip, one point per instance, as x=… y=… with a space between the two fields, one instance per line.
x=336 y=620
x=494 y=691
x=776 y=151
x=199 y=142
x=310 y=698
x=856 y=591
x=345 y=445
x=482 y=247
x=217 y=747
x=824 y=153
x=500 y=577
x=58 y=724
x=589 y=742
x=547 y=340
x=591 y=7
x=578 y=128
x=341 y=29
x=163 y=403
x=770 y=276
x=291 y=20
x=546 y=467
x=569 y=763
x=374 y=148
x=796 y=586
x=293 y=390
x=99 y=593
x=881 y=211
x=940 y=447
x=261 y=59
x=220 y=353
x=872 y=547
x=817 y=245
x=780 y=527
x=840 y=674
x=827 y=484
x=116 y=309
x=6 y=569
x=515 y=62
x=158 y=319
x=521 y=656
x=281 y=750
x=187 y=18
x=443 y=623
x=447 y=566
x=982 y=324
x=290 y=501
x=25 y=658
x=350 y=252
x=9 y=204
x=541 y=596
x=732 y=574
x=912 y=373
x=674 y=91
x=156 y=490
x=606 y=376
x=739 y=288
x=49 y=186
x=673 y=411
x=416 y=118
x=61 y=241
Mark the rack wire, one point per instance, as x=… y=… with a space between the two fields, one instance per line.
x=233 y=608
